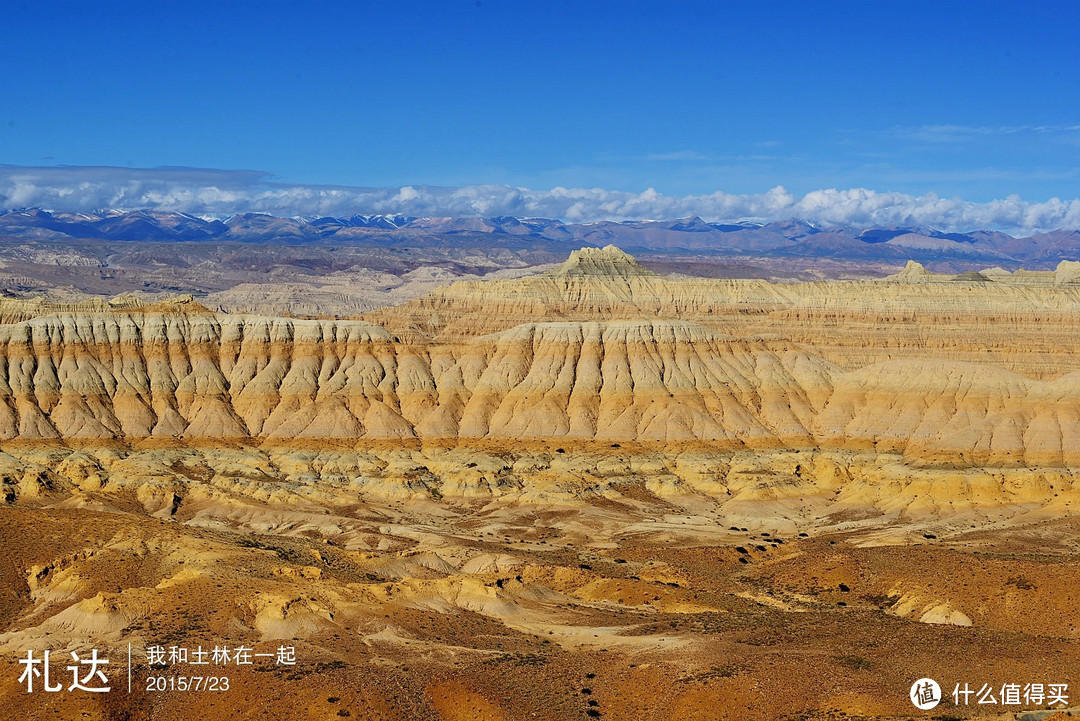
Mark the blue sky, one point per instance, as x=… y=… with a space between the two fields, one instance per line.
x=978 y=100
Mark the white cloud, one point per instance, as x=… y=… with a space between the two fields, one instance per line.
x=221 y=192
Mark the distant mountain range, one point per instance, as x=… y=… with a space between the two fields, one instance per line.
x=791 y=239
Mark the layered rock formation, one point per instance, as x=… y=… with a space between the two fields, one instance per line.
x=137 y=375
x=131 y=376
x=1029 y=323
x=638 y=375
x=515 y=484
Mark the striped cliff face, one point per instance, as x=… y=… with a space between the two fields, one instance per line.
x=136 y=375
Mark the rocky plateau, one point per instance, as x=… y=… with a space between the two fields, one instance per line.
x=594 y=491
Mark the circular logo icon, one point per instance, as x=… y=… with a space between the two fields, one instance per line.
x=925 y=694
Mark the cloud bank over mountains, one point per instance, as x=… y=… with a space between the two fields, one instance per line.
x=224 y=192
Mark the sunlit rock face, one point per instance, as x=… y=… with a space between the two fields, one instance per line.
x=639 y=374
x=677 y=494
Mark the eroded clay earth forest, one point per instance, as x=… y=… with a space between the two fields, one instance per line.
x=586 y=489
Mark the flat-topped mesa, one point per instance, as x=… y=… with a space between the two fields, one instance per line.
x=1066 y=273
x=606 y=262
x=18 y=310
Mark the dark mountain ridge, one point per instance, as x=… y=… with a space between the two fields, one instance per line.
x=793 y=238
